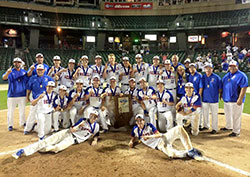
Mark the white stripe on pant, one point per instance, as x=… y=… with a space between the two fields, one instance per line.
x=213 y=107
x=233 y=114
x=11 y=103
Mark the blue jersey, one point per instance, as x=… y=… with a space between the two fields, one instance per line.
x=17 y=83
x=211 y=86
x=181 y=86
x=46 y=68
x=38 y=85
x=196 y=80
x=178 y=64
x=232 y=84
x=225 y=66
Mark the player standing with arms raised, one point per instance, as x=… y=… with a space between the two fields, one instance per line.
x=39 y=60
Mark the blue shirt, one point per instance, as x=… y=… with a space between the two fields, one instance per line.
x=232 y=84
x=196 y=80
x=181 y=86
x=46 y=68
x=17 y=83
x=211 y=86
x=37 y=85
x=178 y=64
x=241 y=56
x=225 y=66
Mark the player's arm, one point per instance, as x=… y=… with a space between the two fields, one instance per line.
x=29 y=73
x=105 y=71
x=76 y=73
x=164 y=101
x=77 y=125
x=131 y=142
x=28 y=95
x=35 y=101
x=5 y=76
x=178 y=105
x=241 y=96
x=157 y=134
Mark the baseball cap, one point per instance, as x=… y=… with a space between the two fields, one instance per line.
x=62 y=87
x=79 y=81
x=138 y=56
x=94 y=112
x=85 y=57
x=40 y=66
x=17 y=59
x=112 y=78
x=98 y=56
x=233 y=63
x=125 y=58
x=131 y=79
x=39 y=55
x=51 y=83
x=142 y=78
x=208 y=65
x=72 y=61
x=156 y=57
x=167 y=62
x=187 y=60
x=160 y=82
x=96 y=76
x=192 y=64
x=56 y=57
x=139 y=116
x=189 y=84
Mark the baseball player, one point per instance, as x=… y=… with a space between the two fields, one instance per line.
x=175 y=62
x=150 y=136
x=146 y=96
x=84 y=72
x=190 y=102
x=39 y=60
x=211 y=86
x=80 y=132
x=17 y=79
x=136 y=107
x=36 y=85
x=44 y=104
x=98 y=69
x=140 y=69
x=181 y=81
x=76 y=101
x=235 y=84
x=56 y=68
x=125 y=73
x=186 y=64
x=154 y=72
x=65 y=76
x=111 y=69
x=165 y=103
x=61 y=108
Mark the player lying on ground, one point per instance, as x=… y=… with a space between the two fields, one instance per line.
x=59 y=141
x=150 y=136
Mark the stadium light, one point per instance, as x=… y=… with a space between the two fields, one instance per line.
x=58 y=29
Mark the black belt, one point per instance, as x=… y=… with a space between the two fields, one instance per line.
x=171 y=89
x=96 y=107
x=75 y=139
x=125 y=84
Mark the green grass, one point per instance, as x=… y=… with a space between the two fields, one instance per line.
x=3 y=102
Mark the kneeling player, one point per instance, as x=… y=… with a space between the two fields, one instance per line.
x=59 y=141
x=149 y=135
x=190 y=102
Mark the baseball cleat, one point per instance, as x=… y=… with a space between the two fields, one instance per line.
x=203 y=128
x=10 y=128
x=42 y=138
x=18 y=154
x=225 y=129
x=233 y=134
x=213 y=132
x=26 y=132
x=195 y=154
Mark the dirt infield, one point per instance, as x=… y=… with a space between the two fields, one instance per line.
x=112 y=157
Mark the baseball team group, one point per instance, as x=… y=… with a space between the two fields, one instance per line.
x=70 y=105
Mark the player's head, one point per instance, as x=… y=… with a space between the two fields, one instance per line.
x=17 y=62
x=138 y=58
x=98 y=59
x=132 y=82
x=175 y=59
x=111 y=58
x=84 y=60
x=71 y=63
x=62 y=90
x=189 y=88
x=181 y=70
x=192 y=68
x=156 y=60
x=208 y=69
x=160 y=85
x=187 y=62
x=233 y=66
x=57 y=60
x=40 y=70
x=93 y=116
x=143 y=82
x=167 y=65
x=39 y=58
x=112 y=81
x=51 y=85
x=79 y=84
x=125 y=61
x=96 y=81
x=139 y=118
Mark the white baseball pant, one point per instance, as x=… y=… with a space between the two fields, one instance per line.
x=54 y=143
x=173 y=92
x=213 y=107
x=44 y=123
x=165 y=145
x=32 y=117
x=233 y=114
x=73 y=114
x=151 y=115
x=165 y=121
x=11 y=103
x=194 y=117
x=60 y=117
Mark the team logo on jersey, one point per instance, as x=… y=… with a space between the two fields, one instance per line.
x=195 y=78
x=233 y=77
